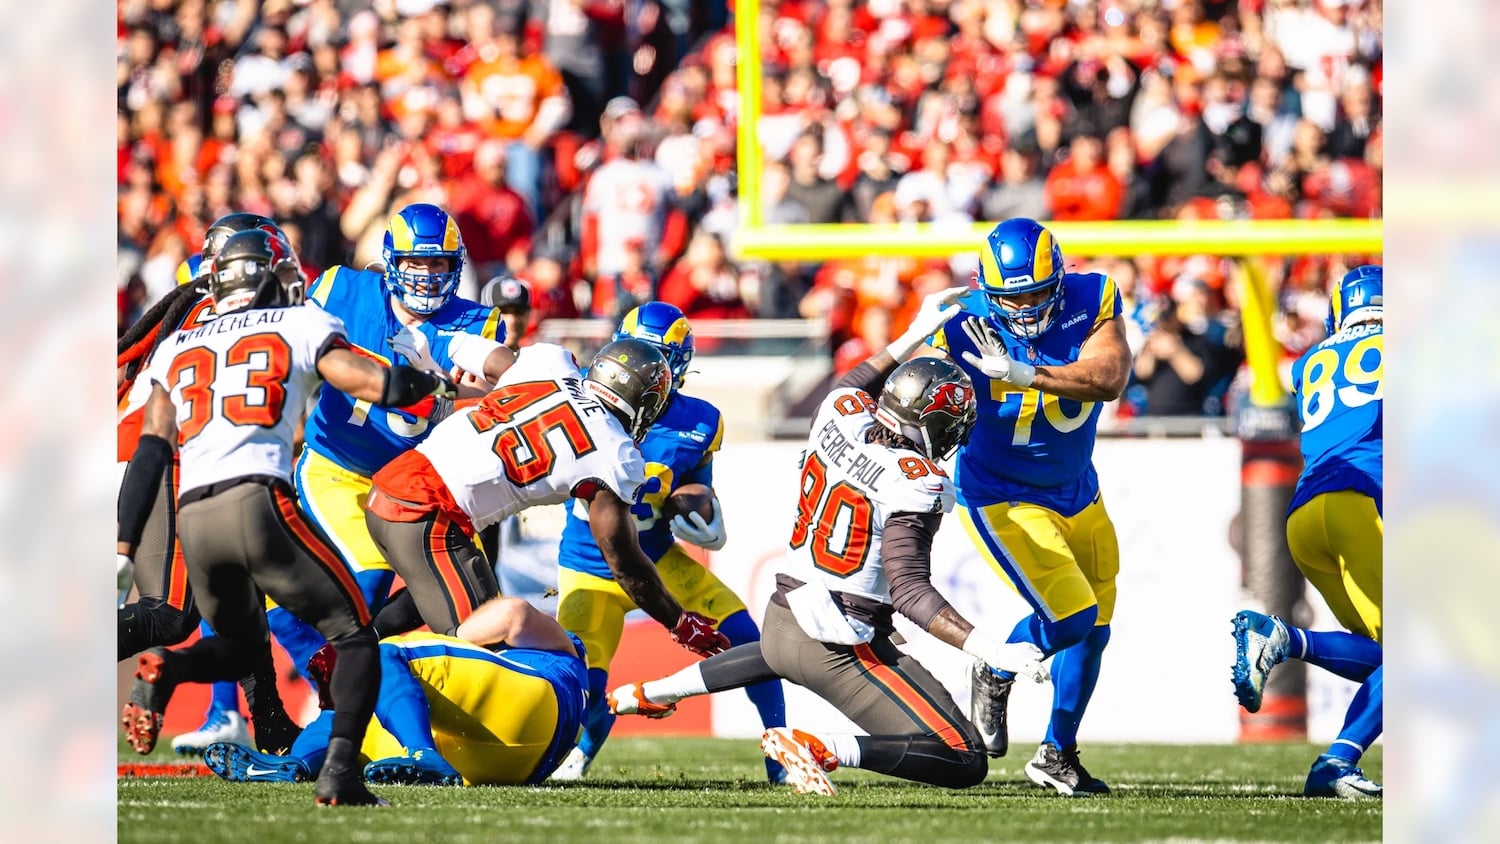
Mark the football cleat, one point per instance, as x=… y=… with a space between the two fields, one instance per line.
x=339 y=783
x=1334 y=777
x=425 y=767
x=142 y=715
x=806 y=760
x=221 y=726
x=1062 y=770
x=573 y=767
x=989 y=697
x=237 y=763
x=629 y=699
x=1260 y=643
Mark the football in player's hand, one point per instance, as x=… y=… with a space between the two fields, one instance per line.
x=690 y=498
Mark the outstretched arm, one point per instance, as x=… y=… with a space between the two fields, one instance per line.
x=1101 y=371
x=613 y=528
x=514 y=622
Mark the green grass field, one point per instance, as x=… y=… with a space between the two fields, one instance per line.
x=689 y=790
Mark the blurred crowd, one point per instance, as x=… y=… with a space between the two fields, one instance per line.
x=588 y=146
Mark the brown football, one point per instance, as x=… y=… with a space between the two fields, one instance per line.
x=690 y=498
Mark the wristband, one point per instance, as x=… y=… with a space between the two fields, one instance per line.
x=981 y=644
x=470 y=351
x=1021 y=374
x=902 y=347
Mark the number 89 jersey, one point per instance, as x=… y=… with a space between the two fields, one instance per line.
x=233 y=381
x=848 y=488
x=1340 y=400
x=537 y=438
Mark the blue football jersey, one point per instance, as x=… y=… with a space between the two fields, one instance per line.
x=354 y=434
x=674 y=450
x=1028 y=445
x=1340 y=399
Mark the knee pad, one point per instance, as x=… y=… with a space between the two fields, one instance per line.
x=169 y=625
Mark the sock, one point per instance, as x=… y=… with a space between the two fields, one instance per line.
x=767 y=696
x=674 y=687
x=1075 y=673
x=355 y=684
x=1052 y=636
x=845 y=746
x=1348 y=655
x=1364 y=720
x=402 y=706
x=598 y=721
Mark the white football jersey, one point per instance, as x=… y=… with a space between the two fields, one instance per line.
x=240 y=384
x=848 y=489
x=532 y=441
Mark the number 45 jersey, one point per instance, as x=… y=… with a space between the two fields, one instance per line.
x=537 y=438
x=848 y=488
x=232 y=381
x=1340 y=399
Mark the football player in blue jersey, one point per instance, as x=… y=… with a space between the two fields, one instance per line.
x=678 y=449
x=1335 y=531
x=409 y=314
x=1045 y=348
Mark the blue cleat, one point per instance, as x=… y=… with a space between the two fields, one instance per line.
x=425 y=767
x=237 y=763
x=1334 y=777
x=1260 y=643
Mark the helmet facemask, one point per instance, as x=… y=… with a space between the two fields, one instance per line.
x=631 y=378
x=930 y=402
x=422 y=291
x=1027 y=321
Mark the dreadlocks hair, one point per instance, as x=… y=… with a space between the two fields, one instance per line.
x=154 y=326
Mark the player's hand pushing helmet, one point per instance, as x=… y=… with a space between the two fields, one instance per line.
x=255 y=269
x=931 y=402
x=1358 y=297
x=632 y=379
x=1021 y=273
x=664 y=327
x=422 y=230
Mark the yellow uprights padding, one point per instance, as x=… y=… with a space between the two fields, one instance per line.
x=747 y=153
x=1262 y=352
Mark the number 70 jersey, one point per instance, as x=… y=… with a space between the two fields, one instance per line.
x=848 y=488
x=537 y=438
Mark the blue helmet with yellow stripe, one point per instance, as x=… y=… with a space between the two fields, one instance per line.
x=1021 y=272
x=191 y=269
x=1356 y=297
x=422 y=230
x=664 y=327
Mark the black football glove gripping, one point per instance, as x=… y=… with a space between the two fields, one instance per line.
x=427 y=395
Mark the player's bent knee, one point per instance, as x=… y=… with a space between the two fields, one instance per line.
x=966 y=771
x=1069 y=631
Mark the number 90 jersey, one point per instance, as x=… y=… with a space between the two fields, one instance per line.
x=1340 y=399
x=1028 y=445
x=354 y=434
x=537 y=438
x=848 y=488
x=233 y=382
x=674 y=449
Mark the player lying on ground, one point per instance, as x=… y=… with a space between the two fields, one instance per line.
x=872 y=497
x=1334 y=529
x=220 y=393
x=543 y=436
x=451 y=712
x=679 y=450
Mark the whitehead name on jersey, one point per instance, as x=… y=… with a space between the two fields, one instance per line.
x=849 y=488
x=239 y=384
x=533 y=440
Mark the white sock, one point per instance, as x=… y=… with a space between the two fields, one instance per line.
x=844 y=746
x=685 y=683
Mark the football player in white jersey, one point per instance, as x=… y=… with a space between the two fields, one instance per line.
x=221 y=395
x=543 y=435
x=872 y=497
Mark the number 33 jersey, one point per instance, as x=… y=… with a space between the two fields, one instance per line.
x=537 y=438
x=1340 y=399
x=849 y=487
x=239 y=384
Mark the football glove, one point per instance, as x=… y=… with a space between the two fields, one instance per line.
x=1021 y=658
x=937 y=308
x=124 y=574
x=696 y=633
x=993 y=360
x=412 y=344
x=690 y=527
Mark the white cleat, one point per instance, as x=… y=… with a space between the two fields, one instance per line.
x=222 y=727
x=573 y=767
x=806 y=760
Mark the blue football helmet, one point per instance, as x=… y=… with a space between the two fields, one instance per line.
x=1019 y=257
x=1356 y=298
x=422 y=231
x=664 y=327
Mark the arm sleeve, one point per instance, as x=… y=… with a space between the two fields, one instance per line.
x=906 y=546
x=867 y=376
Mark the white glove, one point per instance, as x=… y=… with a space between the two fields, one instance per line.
x=411 y=343
x=690 y=527
x=1022 y=658
x=124 y=575
x=937 y=308
x=992 y=359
